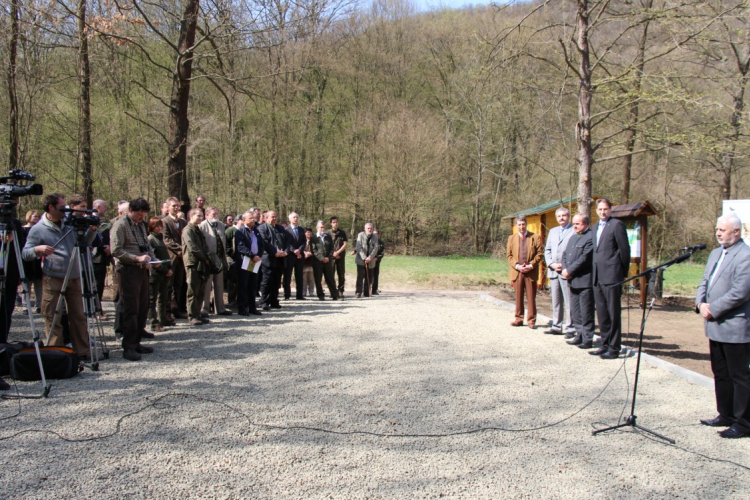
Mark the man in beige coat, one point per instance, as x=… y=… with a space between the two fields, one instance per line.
x=525 y=252
x=215 y=232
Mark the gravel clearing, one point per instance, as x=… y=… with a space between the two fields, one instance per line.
x=404 y=395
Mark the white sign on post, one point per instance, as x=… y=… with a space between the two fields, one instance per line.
x=741 y=208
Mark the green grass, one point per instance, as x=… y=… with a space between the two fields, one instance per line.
x=683 y=279
x=467 y=273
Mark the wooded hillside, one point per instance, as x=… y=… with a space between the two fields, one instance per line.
x=431 y=125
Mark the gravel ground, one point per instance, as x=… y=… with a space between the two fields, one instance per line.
x=398 y=396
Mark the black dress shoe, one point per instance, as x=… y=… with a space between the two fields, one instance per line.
x=147 y=335
x=224 y=313
x=276 y=306
x=570 y=335
x=266 y=308
x=610 y=355
x=733 y=433
x=717 y=422
x=599 y=351
x=243 y=313
x=131 y=355
x=4 y=386
x=256 y=313
x=585 y=345
x=552 y=332
x=299 y=298
x=144 y=349
x=205 y=321
x=577 y=340
x=321 y=298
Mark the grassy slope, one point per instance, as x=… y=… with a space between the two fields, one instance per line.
x=481 y=272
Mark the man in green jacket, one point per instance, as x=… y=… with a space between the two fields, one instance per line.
x=195 y=256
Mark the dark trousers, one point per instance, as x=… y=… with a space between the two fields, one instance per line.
x=296 y=265
x=364 y=280
x=582 y=312
x=8 y=304
x=322 y=270
x=247 y=288
x=231 y=278
x=269 y=286
x=157 y=301
x=731 y=366
x=375 y=276
x=177 y=288
x=525 y=286
x=100 y=276
x=608 y=313
x=133 y=284
x=196 y=282
x=340 y=267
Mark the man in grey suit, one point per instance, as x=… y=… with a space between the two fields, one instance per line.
x=723 y=299
x=557 y=241
x=611 y=263
x=365 y=250
x=577 y=269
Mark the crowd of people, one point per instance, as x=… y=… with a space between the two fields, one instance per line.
x=582 y=267
x=174 y=266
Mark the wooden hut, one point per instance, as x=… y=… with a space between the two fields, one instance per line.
x=541 y=219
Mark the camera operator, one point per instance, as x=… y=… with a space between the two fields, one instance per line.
x=132 y=253
x=54 y=244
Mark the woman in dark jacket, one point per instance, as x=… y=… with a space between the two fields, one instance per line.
x=159 y=279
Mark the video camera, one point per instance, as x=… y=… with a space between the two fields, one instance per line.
x=81 y=221
x=13 y=187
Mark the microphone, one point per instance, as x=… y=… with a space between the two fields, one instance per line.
x=694 y=248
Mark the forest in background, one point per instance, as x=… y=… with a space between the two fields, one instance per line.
x=431 y=125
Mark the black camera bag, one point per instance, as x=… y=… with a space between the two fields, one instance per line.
x=58 y=362
x=7 y=351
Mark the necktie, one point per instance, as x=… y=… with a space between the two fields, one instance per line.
x=718 y=265
x=296 y=232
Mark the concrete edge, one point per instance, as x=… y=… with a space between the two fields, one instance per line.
x=689 y=375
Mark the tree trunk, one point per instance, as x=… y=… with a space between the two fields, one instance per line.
x=631 y=133
x=583 y=127
x=178 y=110
x=13 y=140
x=84 y=106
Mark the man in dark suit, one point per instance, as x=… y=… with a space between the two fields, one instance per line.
x=273 y=262
x=525 y=251
x=611 y=263
x=295 y=261
x=576 y=268
x=723 y=299
x=321 y=245
x=247 y=244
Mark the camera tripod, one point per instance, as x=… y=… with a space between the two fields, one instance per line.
x=8 y=235
x=91 y=304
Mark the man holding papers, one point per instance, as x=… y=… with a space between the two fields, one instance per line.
x=133 y=256
x=248 y=249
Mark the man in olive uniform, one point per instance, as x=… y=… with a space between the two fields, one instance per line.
x=321 y=245
x=339 y=253
x=195 y=256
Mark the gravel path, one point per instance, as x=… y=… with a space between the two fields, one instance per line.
x=398 y=396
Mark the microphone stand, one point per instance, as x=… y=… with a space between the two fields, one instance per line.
x=630 y=421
